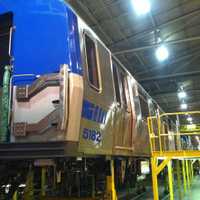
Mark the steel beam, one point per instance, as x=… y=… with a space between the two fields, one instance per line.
x=172 y=93
x=111 y=191
x=170 y=177
x=177 y=154
x=184 y=176
x=151 y=31
x=172 y=42
x=162 y=165
x=185 y=56
x=154 y=178
x=178 y=172
x=43 y=181
x=164 y=77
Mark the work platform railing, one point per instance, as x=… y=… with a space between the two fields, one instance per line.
x=175 y=144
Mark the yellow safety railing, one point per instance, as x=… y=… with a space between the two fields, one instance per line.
x=174 y=137
x=175 y=132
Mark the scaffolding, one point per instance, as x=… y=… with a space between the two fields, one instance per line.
x=175 y=144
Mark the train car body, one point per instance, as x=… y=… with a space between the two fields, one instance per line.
x=66 y=85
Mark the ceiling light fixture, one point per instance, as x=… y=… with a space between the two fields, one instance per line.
x=162 y=53
x=184 y=106
x=182 y=95
x=141 y=7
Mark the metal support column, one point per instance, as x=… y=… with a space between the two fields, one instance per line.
x=184 y=176
x=93 y=187
x=111 y=191
x=178 y=172
x=155 y=172
x=191 y=171
x=192 y=168
x=159 y=133
x=15 y=196
x=187 y=174
x=43 y=181
x=154 y=178
x=29 y=190
x=170 y=176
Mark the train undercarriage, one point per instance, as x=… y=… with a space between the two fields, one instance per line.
x=77 y=177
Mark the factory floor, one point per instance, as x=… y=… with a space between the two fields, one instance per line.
x=194 y=193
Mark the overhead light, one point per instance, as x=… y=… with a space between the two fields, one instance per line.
x=189 y=119
x=182 y=94
x=159 y=40
x=184 y=106
x=162 y=53
x=141 y=7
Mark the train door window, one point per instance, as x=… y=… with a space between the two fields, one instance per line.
x=127 y=94
x=125 y=91
x=92 y=64
x=143 y=104
x=5 y=41
x=116 y=84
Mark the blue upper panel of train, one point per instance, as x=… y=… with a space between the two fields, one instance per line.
x=45 y=36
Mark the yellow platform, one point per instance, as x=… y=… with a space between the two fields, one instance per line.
x=175 y=145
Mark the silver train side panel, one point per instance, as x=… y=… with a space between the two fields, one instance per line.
x=124 y=131
x=96 y=136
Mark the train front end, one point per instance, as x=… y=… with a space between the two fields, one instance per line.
x=41 y=73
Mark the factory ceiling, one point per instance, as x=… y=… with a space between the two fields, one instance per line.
x=133 y=39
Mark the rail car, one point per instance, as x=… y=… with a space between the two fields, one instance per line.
x=63 y=93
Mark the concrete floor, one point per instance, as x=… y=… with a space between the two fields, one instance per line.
x=194 y=193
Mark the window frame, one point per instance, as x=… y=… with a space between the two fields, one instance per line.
x=86 y=34
x=124 y=90
x=143 y=97
x=116 y=80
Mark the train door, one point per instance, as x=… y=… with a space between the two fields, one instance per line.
x=124 y=119
x=142 y=142
x=96 y=123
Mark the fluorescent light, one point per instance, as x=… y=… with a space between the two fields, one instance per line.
x=184 y=106
x=189 y=119
x=182 y=95
x=159 y=40
x=141 y=7
x=162 y=53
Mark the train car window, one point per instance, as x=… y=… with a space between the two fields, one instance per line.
x=152 y=108
x=125 y=91
x=92 y=65
x=144 y=106
x=116 y=83
x=127 y=95
x=5 y=40
x=122 y=88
